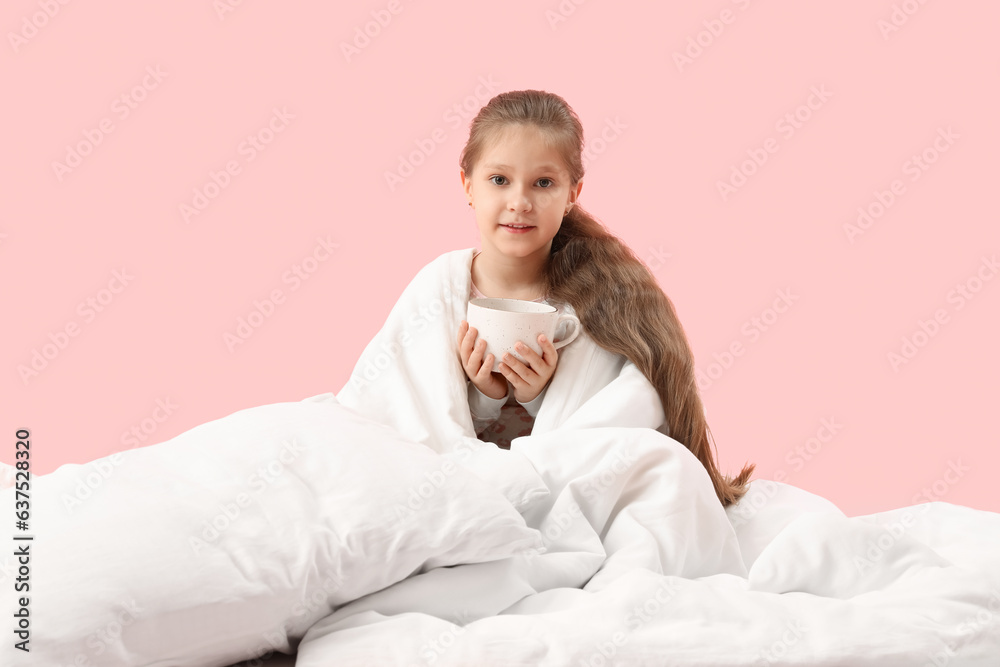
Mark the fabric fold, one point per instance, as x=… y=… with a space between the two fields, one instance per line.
x=410 y=376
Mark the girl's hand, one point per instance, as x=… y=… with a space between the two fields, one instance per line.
x=529 y=379
x=479 y=370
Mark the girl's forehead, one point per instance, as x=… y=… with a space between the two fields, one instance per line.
x=515 y=133
x=508 y=149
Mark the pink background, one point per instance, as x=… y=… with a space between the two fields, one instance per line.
x=673 y=131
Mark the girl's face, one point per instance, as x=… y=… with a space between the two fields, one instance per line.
x=520 y=181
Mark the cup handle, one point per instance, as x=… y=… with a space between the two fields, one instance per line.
x=573 y=334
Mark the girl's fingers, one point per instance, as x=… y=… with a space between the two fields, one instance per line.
x=532 y=357
x=487 y=367
x=516 y=368
x=473 y=351
x=469 y=349
x=549 y=353
x=476 y=359
x=469 y=340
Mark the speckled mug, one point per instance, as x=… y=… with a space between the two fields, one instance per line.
x=503 y=322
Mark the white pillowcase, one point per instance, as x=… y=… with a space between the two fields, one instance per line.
x=233 y=538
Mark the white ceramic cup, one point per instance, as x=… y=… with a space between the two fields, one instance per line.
x=503 y=322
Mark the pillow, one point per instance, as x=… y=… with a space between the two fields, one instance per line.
x=233 y=538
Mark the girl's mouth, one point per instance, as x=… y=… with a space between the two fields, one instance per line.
x=517 y=229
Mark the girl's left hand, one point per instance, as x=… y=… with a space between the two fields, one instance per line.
x=529 y=379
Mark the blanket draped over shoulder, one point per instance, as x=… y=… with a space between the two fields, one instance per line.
x=410 y=377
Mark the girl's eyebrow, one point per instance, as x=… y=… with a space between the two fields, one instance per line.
x=544 y=167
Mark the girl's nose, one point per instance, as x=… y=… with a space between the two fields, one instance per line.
x=519 y=201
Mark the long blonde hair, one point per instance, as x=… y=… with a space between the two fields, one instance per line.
x=617 y=299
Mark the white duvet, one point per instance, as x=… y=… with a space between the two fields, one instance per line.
x=645 y=568
x=373 y=528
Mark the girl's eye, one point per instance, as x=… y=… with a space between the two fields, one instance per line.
x=495 y=176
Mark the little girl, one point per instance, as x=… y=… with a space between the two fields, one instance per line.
x=522 y=171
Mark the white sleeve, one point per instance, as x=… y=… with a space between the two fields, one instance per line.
x=533 y=405
x=485 y=410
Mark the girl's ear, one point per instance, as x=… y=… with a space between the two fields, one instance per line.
x=466 y=182
x=575 y=192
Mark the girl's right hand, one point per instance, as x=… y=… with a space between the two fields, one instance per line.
x=479 y=370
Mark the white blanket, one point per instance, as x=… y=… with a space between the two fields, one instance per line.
x=234 y=537
x=642 y=564
x=913 y=587
x=637 y=563
x=409 y=376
